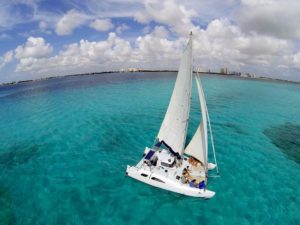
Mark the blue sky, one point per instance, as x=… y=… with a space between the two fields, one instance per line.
x=41 y=38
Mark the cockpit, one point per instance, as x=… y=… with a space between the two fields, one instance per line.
x=165 y=159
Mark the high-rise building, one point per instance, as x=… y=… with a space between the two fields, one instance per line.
x=224 y=70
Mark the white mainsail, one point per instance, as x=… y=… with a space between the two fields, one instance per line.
x=174 y=126
x=198 y=146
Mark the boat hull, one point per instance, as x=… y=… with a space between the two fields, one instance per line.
x=147 y=176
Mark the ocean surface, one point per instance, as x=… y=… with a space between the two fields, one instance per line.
x=65 y=144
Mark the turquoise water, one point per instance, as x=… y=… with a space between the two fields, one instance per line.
x=65 y=144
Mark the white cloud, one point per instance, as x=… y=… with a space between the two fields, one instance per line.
x=155 y=50
x=220 y=44
x=35 y=47
x=170 y=12
x=6 y=58
x=279 y=18
x=256 y=34
x=29 y=53
x=150 y=51
x=295 y=60
x=102 y=25
x=223 y=43
x=84 y=56
x=70 y=21
x=146 y=29
x=160 y=31
x=122 y=28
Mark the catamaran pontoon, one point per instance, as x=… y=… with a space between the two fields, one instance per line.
x=168 y=165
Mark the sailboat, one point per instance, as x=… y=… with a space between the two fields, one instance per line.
x=168 y=164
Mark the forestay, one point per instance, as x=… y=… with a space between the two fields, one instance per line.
x=198 y=146
x=174 y=126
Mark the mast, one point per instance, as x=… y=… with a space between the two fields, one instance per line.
x=174 y=126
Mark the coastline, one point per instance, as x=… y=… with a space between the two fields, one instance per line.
x=141 y=70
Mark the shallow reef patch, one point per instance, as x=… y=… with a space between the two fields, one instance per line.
x=232 y=126
x=6 y=215
x=18 y=154
x=286 y=138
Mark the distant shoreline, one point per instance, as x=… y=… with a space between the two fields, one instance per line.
x=253 y=78
x=98 y=73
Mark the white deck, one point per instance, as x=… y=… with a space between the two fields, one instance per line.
x=166 y=178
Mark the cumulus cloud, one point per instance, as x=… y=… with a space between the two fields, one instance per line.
x=150 y=51
x=84 y=56
x=34 y=49
x=102 y=25
x=224 y=44
x=220 y=44
x=169 y=12
x=157 y=51
x=255 y=34
x=6 y=58
x=279 y=18
x=71 y=20
x=160 y=31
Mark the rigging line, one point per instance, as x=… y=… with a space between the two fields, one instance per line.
x=211 y=135
x=213 y=144
x=214 y=176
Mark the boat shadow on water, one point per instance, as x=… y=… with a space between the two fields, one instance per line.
x=286 y=138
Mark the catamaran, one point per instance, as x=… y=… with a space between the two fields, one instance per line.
x=168 y=164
